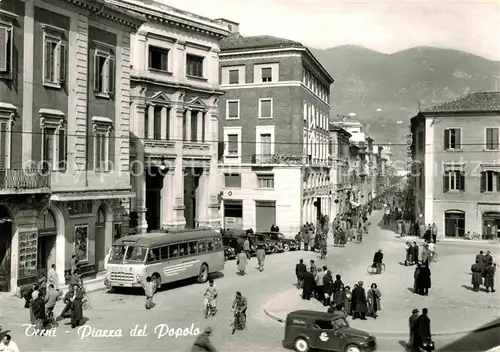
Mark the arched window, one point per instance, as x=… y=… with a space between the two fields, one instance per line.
x=47 y=222
x=454 y=223
x=101 y=216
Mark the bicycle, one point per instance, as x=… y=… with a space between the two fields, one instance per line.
x=372 y=269
x=86 y=301
x=434 y=257
x=210 y=309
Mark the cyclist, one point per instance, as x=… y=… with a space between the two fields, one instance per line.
x=239 y=309
x=203 y=343
x=210 y=299
x=378 y=259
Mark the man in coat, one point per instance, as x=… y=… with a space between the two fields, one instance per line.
x=413 y=326
x=488 y=258
x=246 y=248
x=261 y=256
x=359 y=298
x=415 y=253
x=489 y=276
x=202 y=343
x=480 y=259
x=305 y=238
x=422 y=330
x=308 y=285
x=300 y=269
x=477 y=276
x=327 y=286
x=424 y=280
x=434 y=232
x=298 y=239
x=52 y=277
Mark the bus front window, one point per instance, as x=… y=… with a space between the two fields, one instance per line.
x=136 y=254
x=117 y=252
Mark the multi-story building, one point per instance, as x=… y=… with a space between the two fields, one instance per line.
x=377 y=178
x=274 y=125
x=455 y=154
x=64 y=120
x=175 y=94
x=339 y=172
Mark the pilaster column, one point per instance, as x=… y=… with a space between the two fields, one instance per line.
x=164 y=117
x=166 y=201
x=189 y=135
x=151 y=122
x=202 y=198
x=139 y=177
x=171 y=124
x=199 y=127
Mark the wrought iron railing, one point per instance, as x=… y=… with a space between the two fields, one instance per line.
x=24 y=179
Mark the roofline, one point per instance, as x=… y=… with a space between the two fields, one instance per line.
x=188 y=23
x=334 y=128
x=226 y=20
x=443 y=113
x=274 y=48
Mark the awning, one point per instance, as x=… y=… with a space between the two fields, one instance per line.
x=72 y=196
x=490 y=167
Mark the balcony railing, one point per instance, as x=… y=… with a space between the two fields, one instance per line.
x=24 y=179
x=285 y=158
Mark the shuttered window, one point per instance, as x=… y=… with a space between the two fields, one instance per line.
x=5 y=49
x=234 y=76
x=492 y=138
x=232 y=144
x=3 y=145
x=101 y=151
x=104 y=73
x=453 y=180
x=157 y=122
x=266 y=108
x=62 y=150
x=452 y=138
x=266 y=143
x=233 y=109
x=490 y=181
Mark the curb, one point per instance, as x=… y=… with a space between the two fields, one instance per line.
x=275 y=317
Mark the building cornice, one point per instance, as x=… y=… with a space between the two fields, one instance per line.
x=175 y=85
x=165 y=18
x=270 y=51
x=104 y=9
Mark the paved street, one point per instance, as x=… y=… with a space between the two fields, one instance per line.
x=452 y=308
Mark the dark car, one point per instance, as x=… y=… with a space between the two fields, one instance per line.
x=262 y=240
x=275 y=245
x=230 y=246
x=287 y=244
x=307 y=330
x=235 y=239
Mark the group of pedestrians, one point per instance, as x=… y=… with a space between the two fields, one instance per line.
x=420 y=331
x=483 y=272
x=318 y=282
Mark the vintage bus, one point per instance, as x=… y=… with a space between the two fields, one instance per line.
x=166 y=256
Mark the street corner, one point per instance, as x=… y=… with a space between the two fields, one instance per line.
x=279 y=305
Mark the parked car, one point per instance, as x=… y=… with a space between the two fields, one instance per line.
x=235 y=239
x=230 y=246
x=307 y=330
x=287 y=244
x=260 y=239
x=275 y=244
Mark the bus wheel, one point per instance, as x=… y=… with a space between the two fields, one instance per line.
x=157 y=283
x=203 y=276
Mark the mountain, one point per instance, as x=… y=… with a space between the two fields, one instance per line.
x=366 y=80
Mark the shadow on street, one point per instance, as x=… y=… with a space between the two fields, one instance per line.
x=481 y=339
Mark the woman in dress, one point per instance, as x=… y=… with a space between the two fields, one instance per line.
x=76 y=306
x=240 y=312
x=373 y=297
x=241 y=261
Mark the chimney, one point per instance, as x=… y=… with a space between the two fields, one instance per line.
x=233 y=27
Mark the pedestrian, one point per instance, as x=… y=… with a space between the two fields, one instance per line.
x=149 y=292
x=202 y=343
x=312 y=267
x=241 y=262
x=426 y=254
x=339 y=297
x=306 y=238
x=489 y=276
x=52 y=277
x=320 y=295
x=50 y=300
x=68 y=304
x=359 y=298
x=298 y=239
x=39 y=312
x=415 y=253
x=35 y=292
x=347 y=301
x=488 y=258
x=480 y=259
x=338 y=283
x=337 y=312
x=308 y=285
x=373 y=297
x=327 y=286
x=400 y=228
x=76 y=307
x=246 y=247
x=408 y=253
x=477 y=276
x=424 y=279
x=422 y=330
x=74 y=264
x=42 y=283
x=413 y=327
x=336 y=236
x=428 y=234
x=300 y=269
x=416 y=288
x=106 y=258
x=261 y=256
x=434 y=232
x=7 y=345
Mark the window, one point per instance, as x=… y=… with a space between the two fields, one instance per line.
x=210 y=246
x=217 y=244
x=265 y=108
x=265 y=181
x=3 y=145
x=173 y=251
x=490 y=181
x=234 y=76
x=452 y=139
x=202 y=247
x=192 y=248
x=492 y=140
x=164 y=253
x=194 y=66
x=156 y=123
x=54 y=144
x=104 y=73
x=453 y=180
x=55 y=57
x=232 y=109
x=102 y=132
x=154 y=255
x=183 y=249
x=158 y=58
x=6 y=50
x=266 y=144
x=267 y=74
x=232 y=144
x=232 y=180
x=323 y=325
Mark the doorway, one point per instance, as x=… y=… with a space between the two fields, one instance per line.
x=454 y=223
x=154 y=185
x=47 y=235
x=491 y=225
x=100 y=233
x=5 y=249
x=191 y=183
x=265 y=215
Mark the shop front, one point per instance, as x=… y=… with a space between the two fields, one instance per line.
x=491 y=225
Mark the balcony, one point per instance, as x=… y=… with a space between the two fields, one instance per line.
x=24 y=181
x=281 y=159
x=196 y=149
x=158 y=147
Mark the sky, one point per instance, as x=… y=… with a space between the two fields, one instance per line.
x=385 y=26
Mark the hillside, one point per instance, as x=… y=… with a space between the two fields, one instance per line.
x=366 y=80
